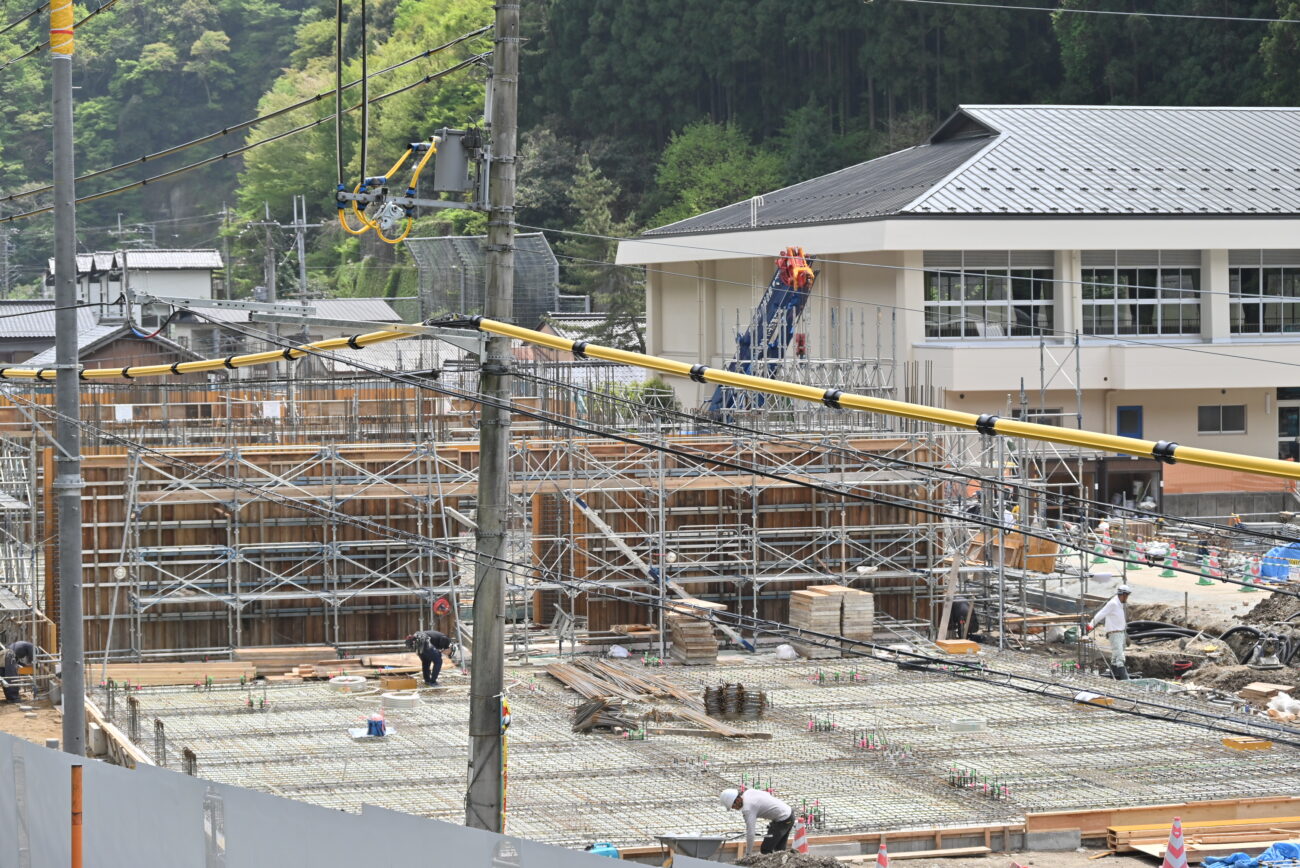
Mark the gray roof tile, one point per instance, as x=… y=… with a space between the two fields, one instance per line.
x=1056 y=160
x=35 y=319
x=159 y=259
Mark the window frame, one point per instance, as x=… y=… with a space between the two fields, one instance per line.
x=1156 y=300
x=1219 y=408
x=964 y=292
x=1254 y=305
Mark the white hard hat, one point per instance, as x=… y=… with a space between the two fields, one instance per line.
x=728 y=797
x=1123 y=589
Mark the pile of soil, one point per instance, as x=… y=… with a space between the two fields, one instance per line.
x=1167 y=614
x=789 y=859
x=1230 y=679
x=1273 y=608
x=1157 y=659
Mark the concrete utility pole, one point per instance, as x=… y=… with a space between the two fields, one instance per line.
x=67 y=399
x=484 y=801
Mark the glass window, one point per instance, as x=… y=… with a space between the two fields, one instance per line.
x=1265 y=300
x=1221 y=419
x=989 y=302
x=1141 y=301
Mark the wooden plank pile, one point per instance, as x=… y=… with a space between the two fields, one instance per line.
x=279 y=659
x=1261 y=691
x=155 y=674
x=819 y=612
x=692 y=638
x=1207 y=835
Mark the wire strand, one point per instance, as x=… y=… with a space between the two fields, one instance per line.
x=104 y=7
x=1126 y=14
x=37 y=11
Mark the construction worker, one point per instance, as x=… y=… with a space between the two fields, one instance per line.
x=429 y=644
x=1115 y=629
x=17 y=654
x=753 y=804
x=963 y=623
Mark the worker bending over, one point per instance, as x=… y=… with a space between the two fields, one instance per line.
x=16 y=655
x=429 y=644
x=753 y=804
x=1115 y=629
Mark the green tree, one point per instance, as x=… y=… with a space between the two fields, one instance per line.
x=709 y=165
x=589 y=269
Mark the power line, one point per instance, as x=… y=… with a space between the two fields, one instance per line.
x=12 y=24
x=243 y=125
x=104 y=7
x=1124 y=14
x=526 y=573
x=885 y=306
x=470 y=61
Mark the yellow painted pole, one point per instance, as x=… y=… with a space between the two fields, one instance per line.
x=1161 y=450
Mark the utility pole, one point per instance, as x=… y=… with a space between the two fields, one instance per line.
x=269 y=261
x=67 y=455
x=300 y=228
x=229 y=291
x=485 y=799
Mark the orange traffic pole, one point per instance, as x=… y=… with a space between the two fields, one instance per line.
x=76 y=817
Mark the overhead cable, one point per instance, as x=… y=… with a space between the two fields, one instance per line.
x=1123 y=13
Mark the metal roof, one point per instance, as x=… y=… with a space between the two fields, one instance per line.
x=872 y=189
x=1055 y=160
x=91 y=339
x=35 y=319
x=358 y=310
x=161 y=259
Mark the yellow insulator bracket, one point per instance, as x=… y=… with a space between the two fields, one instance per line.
x=987 y=423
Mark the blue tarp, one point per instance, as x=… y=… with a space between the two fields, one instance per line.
x=1276 y=565
x=1280 y=852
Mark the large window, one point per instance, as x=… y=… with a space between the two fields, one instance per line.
x=1265 y=291
x=1141 y=293
x=1221 y=419
x=988 y=294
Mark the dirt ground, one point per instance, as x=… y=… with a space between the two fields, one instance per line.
x=48 y=723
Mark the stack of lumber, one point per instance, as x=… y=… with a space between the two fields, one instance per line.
x=1262 y=691
x=280 y=659
x=819 y=612
x=601 y=713
x=692 y=640
x=857 y=610
x=1206 y=838
x=150 y=674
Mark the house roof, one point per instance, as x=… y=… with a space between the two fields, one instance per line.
x=35 y=319
x=97 y=336
x=1053 y=160
x=577 y=326
x=169 y=259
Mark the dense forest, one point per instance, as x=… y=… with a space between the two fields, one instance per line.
x=632 y=114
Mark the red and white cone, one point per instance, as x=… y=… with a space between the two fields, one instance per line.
x=882 y=857
x=800 y=844
x=1216 y=568
x=1106 y=547
x=1176 y=851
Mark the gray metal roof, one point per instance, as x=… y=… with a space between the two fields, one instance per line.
x=87 y=339
x=359 y=310
x=35 y=319
x=872 y=189
x=1056 y=160
x=161 y=259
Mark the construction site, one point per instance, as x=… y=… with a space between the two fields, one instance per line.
x=693 y=601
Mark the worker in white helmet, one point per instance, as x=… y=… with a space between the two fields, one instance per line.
x=754 y=804
x=1115 y=629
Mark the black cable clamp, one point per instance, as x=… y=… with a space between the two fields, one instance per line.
x=227 y=362
x=579 y=349
x=126 y=373
x=697 y=373
x=352 y=342
x=832 y=398
x=40 y=374
x=288 y=356
x=4 y=373
x=1164 y=451
x=477 y=322
x=985 y=424
x=175 y=372
x=81 y=374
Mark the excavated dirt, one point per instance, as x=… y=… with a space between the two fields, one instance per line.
x=1273 y=608
x=1157 y=659
x=1165 y=613
x=789 y=859
x=1230 y=679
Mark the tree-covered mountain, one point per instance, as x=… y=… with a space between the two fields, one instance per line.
x=632 y=114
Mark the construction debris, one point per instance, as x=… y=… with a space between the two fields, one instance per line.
x=789 y=859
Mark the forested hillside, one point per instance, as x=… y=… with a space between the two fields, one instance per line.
x=632 y=114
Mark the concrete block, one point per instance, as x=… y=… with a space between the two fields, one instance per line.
x=834 y=850
x=1057 y=839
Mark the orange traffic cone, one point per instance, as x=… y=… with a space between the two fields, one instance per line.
x=1176 y=851
x=882 y=858
x=800 y=844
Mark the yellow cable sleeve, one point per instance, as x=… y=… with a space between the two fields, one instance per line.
x=419 y=167
x=399 y=239
x=202 y=365
x=954 y=418
x=393 y=171
x=61 y=23
x=343 y=221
